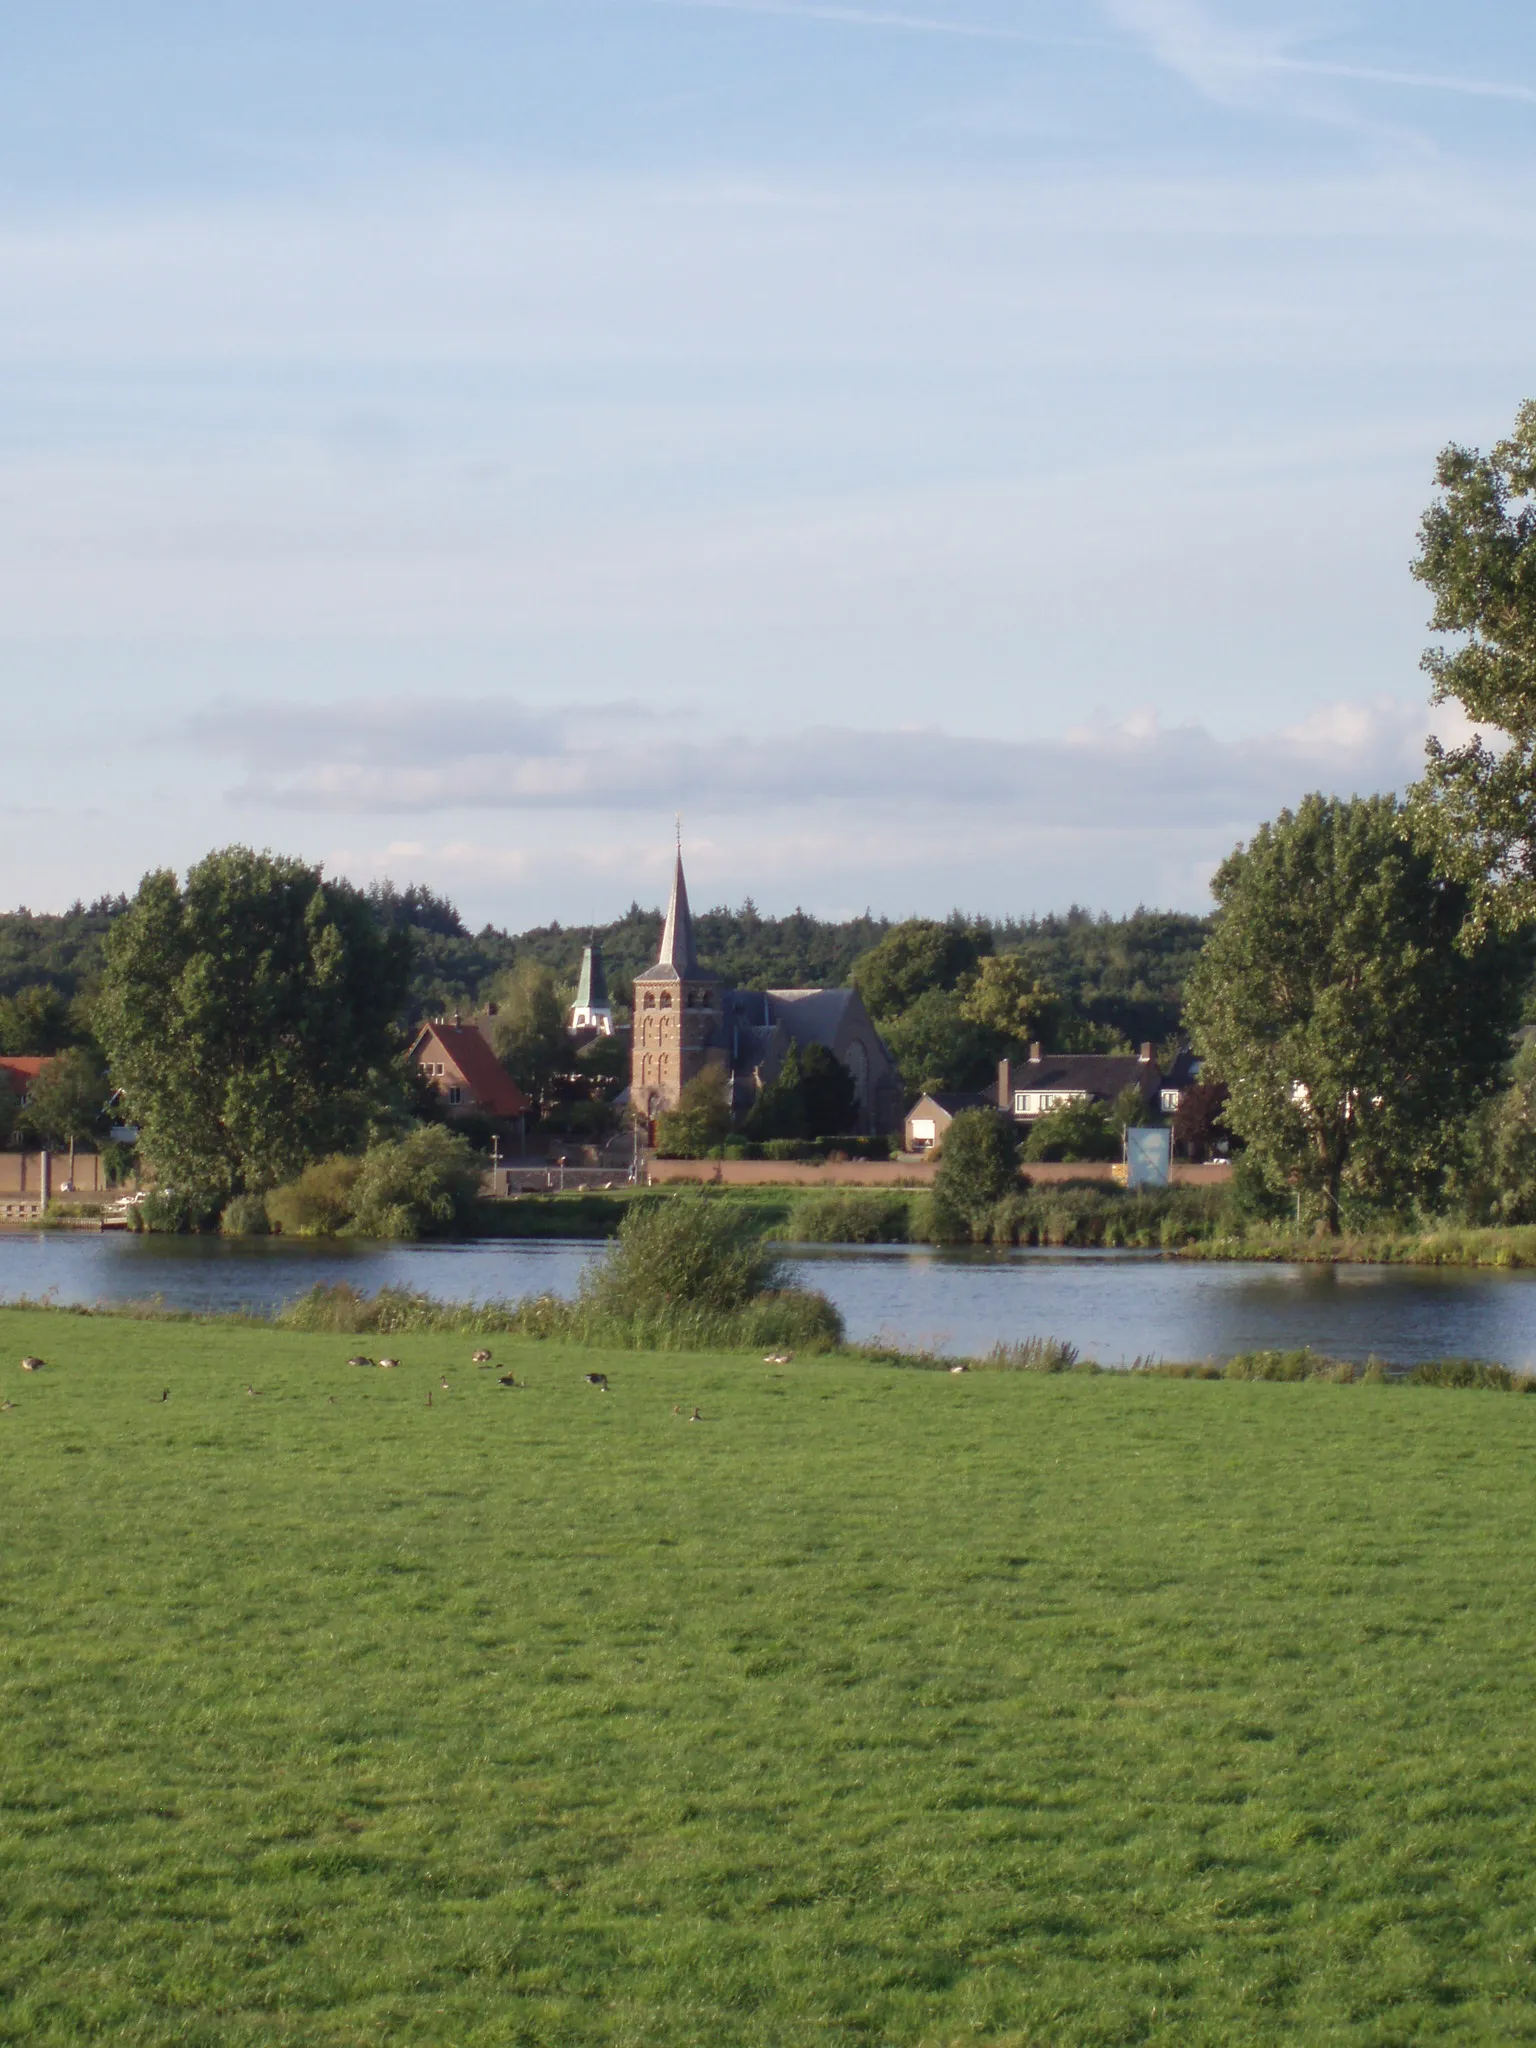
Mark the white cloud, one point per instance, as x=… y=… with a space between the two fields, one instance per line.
x=447 y=756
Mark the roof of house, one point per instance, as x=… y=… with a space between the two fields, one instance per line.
x=491 y=1085
x=951 y=1102
x=20 y=1070
x=1102 y=1074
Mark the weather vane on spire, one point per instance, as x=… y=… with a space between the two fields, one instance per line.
x=678 y=816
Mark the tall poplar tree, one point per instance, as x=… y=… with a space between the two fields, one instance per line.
x=1476 y=806
x=250 y=1019
x=1341 y=999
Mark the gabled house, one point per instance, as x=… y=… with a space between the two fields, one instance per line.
x=1033 y=1088
x=458 y=1065
x=931 y=1116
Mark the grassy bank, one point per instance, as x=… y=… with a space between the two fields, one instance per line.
x=877 y=1707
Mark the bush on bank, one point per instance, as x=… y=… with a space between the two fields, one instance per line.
x=683 y=1274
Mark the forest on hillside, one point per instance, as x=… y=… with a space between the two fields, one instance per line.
x=1125 y=974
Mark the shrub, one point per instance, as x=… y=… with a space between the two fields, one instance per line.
x=409 y=1187
x=682 y=1249
x=1036 y=1354
x=1462 y=1372
x=245 y=1216
x=319 y=1202
x=850 y=1218
x=417 y=1186
x=174 y=1212
x=1305 y=1364
x=687 y=1272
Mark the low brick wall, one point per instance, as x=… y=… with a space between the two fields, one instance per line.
x=881 y=1173
x=793 y=1173
x=21 y=1173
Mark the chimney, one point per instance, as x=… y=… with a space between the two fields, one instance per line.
x=456 y=1020
x=1146 y=1052
x=1004 y=1086
x=1034 y=1053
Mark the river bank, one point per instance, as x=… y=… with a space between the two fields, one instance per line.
x=1195 y=1223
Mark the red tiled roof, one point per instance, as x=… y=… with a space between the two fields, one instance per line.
x=21 y=1071
x=488 y=1081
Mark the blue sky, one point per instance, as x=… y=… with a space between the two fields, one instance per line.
x=959 y=453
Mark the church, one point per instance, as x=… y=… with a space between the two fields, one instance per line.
x=687 y=1022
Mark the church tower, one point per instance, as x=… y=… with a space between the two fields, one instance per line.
x=592 y=1010
x=677 y=1014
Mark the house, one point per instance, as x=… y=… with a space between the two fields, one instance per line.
x=687 y=1022
x=1184 y=1072
x=18 y=1072
x=931 y=1116
x=1045 y=1082
x=458 y=1064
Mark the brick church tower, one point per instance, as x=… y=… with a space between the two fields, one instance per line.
x=677 y=1014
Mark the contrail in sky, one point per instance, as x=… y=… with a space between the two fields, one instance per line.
x=990 y=32
x=874 y=17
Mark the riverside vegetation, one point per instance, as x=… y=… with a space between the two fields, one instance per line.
x=1018 y=1706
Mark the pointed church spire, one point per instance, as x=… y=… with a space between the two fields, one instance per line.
x=677 y=933
x=592 y=988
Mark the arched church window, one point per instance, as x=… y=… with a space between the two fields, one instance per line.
x=650 y=1000
x=666 y=1001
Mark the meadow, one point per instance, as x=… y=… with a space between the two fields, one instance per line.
x=876 y=1707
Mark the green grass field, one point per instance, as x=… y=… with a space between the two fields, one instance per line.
x=879 y=1707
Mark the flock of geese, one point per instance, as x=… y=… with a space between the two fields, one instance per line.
x=599 y=1380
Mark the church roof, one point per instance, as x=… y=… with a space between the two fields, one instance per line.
x=812 y=1015
x=592 y=988
x=678 y=959
x=677 y=948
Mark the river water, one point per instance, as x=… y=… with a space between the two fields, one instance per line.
x=1115 y=1306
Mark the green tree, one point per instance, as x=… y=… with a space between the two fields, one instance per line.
x=1495 y=1181
x=935 y=1047
x=35 y=1022
x=812 y=1096
x=248 y=1019
x=914 y=958
x=529 y=1030
x=1353 y=1034
x=1007 y=1001
x=1476 y=807
x=1080 y=1130
x=701 y=1120
x=67 y=1104
x=1197 y=1122
x=978 y=1165
x=1130 y=1109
